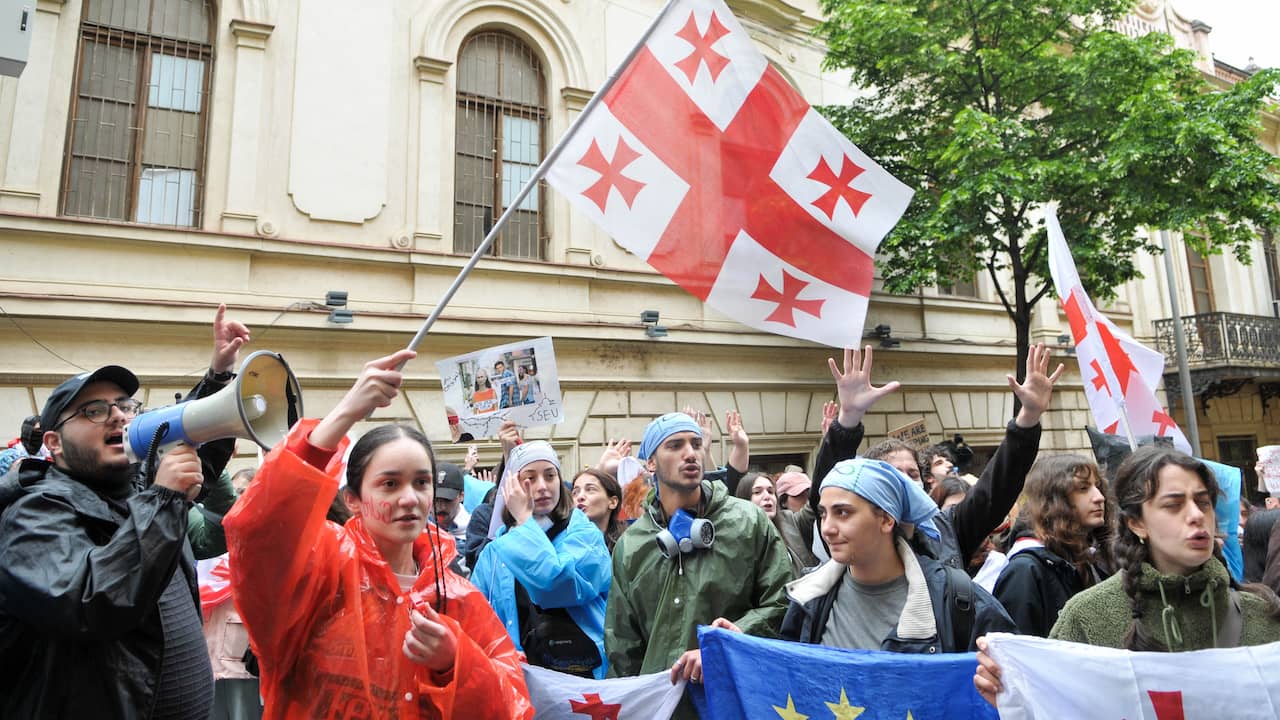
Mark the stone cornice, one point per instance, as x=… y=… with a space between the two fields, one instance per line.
x=431 y=69
x=251 y=34
x=575 y=98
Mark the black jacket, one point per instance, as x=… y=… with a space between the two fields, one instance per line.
x=81 y=576
x=806 y=622
x=1034 y=586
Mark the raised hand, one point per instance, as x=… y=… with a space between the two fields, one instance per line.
x=228 y=337
x=612 y=455
x=473 y=457
x=515 y=494
x=377 y=385
x=509 y=436
x=854 y=390
x=485 y=476
x=737 y=433
x=739 y=441
x=1035 y=392
x=830 y=409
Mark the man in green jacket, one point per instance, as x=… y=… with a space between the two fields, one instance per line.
x=656 y=602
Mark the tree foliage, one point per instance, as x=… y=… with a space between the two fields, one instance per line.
x=991 y=108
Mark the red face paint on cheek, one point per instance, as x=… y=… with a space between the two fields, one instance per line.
x=380 y=511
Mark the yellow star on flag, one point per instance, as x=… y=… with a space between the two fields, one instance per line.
x=789 y=712
x=843 y=710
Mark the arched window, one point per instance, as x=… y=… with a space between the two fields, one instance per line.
x=499 y=139
x=136 y=141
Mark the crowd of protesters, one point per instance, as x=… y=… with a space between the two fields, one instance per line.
x=366 y=579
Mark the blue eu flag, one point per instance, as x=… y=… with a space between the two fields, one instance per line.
x=748 y=677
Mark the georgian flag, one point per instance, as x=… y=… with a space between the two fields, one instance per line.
x=214 y=576
x=1120 y=374
x=705 y=162
x=557 y=696
x=1109 y=684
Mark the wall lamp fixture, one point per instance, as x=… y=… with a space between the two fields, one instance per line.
x=884 y=333
x=649 y=318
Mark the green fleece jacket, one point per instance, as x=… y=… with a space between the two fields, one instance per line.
x=1101 y=614
x=656 y=604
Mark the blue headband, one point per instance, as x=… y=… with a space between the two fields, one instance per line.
x=882 y=485
x=663 y=428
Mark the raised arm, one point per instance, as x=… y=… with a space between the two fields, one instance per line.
x=855 y=395
x=991 y=498
x=277 y=537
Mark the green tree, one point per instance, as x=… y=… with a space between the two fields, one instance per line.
x=991 y=108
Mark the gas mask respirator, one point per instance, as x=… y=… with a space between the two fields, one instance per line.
x=685 y=534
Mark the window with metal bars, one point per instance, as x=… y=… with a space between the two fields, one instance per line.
x=501 y=125
x=136 y=137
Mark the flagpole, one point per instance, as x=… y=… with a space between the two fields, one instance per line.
x=538 y=173
x=1180 y=343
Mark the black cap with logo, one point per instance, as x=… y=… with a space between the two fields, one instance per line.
x=65 y=394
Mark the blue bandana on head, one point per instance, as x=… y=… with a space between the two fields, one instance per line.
x=884 y=486
x=663 y=428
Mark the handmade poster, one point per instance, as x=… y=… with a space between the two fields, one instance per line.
x=517 y=382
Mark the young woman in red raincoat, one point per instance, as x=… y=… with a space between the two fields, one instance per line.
x=363 y=620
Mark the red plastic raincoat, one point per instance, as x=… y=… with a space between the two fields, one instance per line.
x=327 y=619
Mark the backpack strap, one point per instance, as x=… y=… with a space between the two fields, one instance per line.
x=958 y=598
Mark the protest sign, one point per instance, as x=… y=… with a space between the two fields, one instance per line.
x=518 y=381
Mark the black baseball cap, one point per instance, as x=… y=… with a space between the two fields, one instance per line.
x=449 y=482
x=66 y=393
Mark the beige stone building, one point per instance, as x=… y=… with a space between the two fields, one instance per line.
x=160 y=156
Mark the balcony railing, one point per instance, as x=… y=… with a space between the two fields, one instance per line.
x=1222 y=339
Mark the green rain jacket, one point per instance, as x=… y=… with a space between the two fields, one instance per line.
x=656 y=604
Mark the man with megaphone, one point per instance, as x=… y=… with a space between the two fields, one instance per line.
x=99 y=606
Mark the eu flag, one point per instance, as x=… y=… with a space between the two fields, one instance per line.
x=749 y=677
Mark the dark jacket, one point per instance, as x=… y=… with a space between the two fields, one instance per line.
x=81 y=577
x=80 y=582
x=1034 y=586
x=1255 y=544
x=918 y=631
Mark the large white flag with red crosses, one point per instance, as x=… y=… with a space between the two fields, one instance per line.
x=1238 y=683
x=557 y=696
x=1120 y=374
x=705 y=162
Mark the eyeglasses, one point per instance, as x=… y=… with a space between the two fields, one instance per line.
x=98 y=411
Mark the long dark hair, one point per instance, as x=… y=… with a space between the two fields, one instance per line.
x=1137 y=481
x=613 y=530
x=1048 y=512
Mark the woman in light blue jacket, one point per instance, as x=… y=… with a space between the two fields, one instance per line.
x=547 y=574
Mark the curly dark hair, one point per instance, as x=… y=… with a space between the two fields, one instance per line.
x=1137 y=481
x=1048 y=511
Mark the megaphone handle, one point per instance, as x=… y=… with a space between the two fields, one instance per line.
x=154 y=451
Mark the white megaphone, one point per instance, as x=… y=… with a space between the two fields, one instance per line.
x=261 y=404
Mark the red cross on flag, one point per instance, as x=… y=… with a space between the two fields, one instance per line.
x=703 y=160
x=1120 y=374
x=1109 y=684
x=557 y=696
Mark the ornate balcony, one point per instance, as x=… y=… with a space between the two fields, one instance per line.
x=1223 y=339
x=1225 y=352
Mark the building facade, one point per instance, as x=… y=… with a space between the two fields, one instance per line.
x=158 y=157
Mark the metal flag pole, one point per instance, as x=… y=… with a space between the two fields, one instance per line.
x=1180 y=343
x=538 y=173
